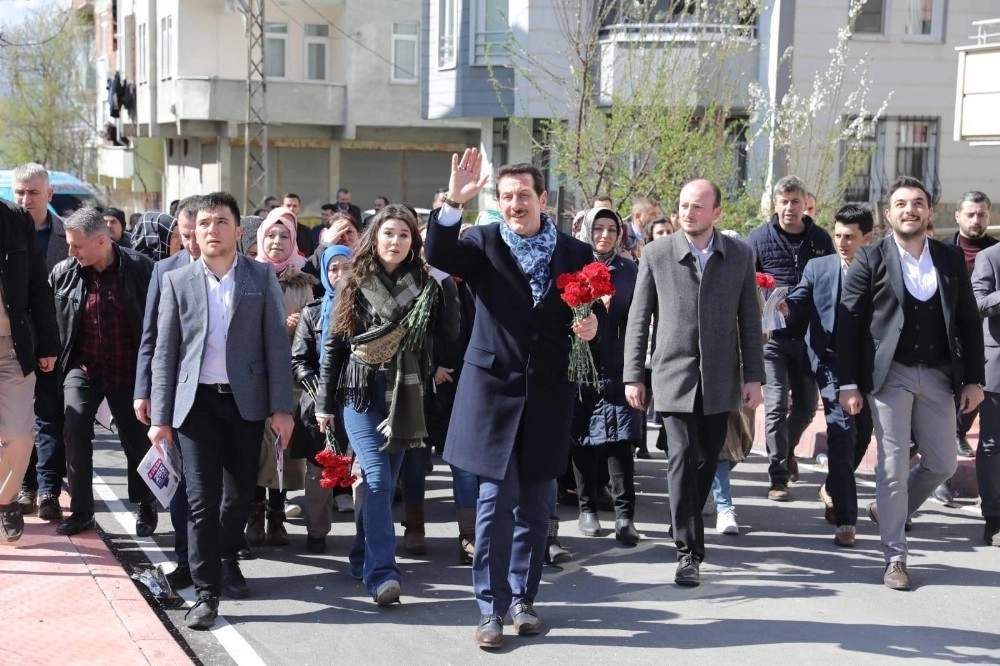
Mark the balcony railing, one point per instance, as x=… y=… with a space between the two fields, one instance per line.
x=681 y=31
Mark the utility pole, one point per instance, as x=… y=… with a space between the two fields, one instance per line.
x=255 y=129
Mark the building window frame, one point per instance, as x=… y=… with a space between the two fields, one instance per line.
x=275 y=33
x=488 y=45
x=864 y=25
x=318 y=40
x=868 y=186
x=925 y=15
x=141 y=70
x=166 y=46
x=918 y=149
x=447 y=38
x=405 y=40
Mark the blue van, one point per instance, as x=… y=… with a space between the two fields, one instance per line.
x=69 y=192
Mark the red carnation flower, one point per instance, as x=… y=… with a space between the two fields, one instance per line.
x=765 y=281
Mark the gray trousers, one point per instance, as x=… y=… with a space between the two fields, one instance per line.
x=786 y=366
x=919 y=403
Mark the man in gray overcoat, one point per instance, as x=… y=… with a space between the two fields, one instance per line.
x=703 y=290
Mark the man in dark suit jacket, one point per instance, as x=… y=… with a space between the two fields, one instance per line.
x=187 y=211
x=42 y=483
x=222 y=366
x=813 y=304
x=910 y=339
x=513 y=393
x=986 y=286
x=702 y=287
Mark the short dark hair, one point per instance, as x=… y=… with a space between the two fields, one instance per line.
x=604 y=197
x=292 y=195
x=260 y=212
x=342 y=190
x=855 y=213
x=648 y=231
x=383 y=198
x=328 y=206
x=524 y=168
x=910 y=183
x=188 y=205
x=173 y=207
x=975 y=196
x=220 y=200
x=134 y=218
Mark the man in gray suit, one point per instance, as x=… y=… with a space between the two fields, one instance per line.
x=222 y=367
x=42 y=482
x=703 y=290
x=986 y=286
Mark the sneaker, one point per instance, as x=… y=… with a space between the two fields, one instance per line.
x=344 y=503
x=11 y=521
x=28 y=501
x=387 y=593
x=49 y=508
x=726 y=522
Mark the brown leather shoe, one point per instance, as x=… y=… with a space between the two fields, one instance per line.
x=489 y=633
x=778 y=492
x=844 y=537
x=792 y=464
x=873 y=514
x=895 y=577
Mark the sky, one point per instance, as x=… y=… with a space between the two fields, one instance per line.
x=13 y=12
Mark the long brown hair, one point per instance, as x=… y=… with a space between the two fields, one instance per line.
x=366 y=262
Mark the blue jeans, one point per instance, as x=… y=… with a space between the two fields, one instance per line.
x=47 y=465
x=720 y=485
x=465 y=487
x=380 y=471
x=414 y=475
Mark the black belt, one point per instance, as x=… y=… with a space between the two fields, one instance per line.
x=218 y=388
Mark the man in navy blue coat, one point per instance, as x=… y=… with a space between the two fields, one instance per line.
x=813 y=304
x=514 y=404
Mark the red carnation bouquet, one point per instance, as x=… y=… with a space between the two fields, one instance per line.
x=579 y=291
x=336 y=469
x=765 y=281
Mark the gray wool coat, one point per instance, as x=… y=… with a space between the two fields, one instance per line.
x=708 y=326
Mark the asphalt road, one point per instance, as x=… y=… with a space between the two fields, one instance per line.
x=779 y=592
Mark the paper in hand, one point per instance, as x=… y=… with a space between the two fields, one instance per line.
x=771 y=319
x=279 y=456
x=160 y=472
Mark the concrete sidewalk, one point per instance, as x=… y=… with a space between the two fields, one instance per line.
x=68 y=601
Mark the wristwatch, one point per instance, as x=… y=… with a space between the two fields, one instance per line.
x=452 y=203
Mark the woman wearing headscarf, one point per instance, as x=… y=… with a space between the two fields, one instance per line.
x=248 y=240
x=604 y=424
x=375 y=364
x=276 y=246
x=152 y=234
x=307 y=353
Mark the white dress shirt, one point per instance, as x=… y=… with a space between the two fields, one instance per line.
x=701 y=255
x=219 y=294
x=919 y=275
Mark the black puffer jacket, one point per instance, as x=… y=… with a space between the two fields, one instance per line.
x=25 y=293
x=69 y=289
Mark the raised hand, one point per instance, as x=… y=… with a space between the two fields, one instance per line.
x=466 y=181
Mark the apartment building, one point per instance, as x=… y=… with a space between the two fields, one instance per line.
x=342 y=97
x=909 y=47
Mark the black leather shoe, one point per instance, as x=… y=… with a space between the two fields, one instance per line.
x=202 y=615
x=234 y=585
x=28 y=501
x=555 y=554
x=315 y=544
x=964 y=450
x=76 y=523
x=146 y=519
x=489 y=633
x=48 y=507
x=688 y=573
x=625 y=532
x=642 y=454
x=944 y=494
x=588 y=523
x=11 y=521
x=991 y=533
x=526 y=621
x=180 y=577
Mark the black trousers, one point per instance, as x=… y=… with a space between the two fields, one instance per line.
x=47 y=465
x=616 y=458
x=695 y=441
x=220 y=450
x=83 y=396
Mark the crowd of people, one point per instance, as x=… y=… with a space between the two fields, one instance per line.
x=259 y=348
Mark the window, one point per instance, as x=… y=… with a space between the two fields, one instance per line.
x=447 y=18
x=925 y=19
x=501 y=140
x=275 y=40
x=492 y=32
x=166 y=47
x=864 y=161
x=404 y=52
x=916 y=150
x=736 y=138
x=871 y=18
x=317 y=48
x=141 y=53
x=103 y=43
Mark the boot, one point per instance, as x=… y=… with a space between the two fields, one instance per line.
x=255 y=524
x=276 y=533
x=414 y=542
x=466 y=535
x=555 y=554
